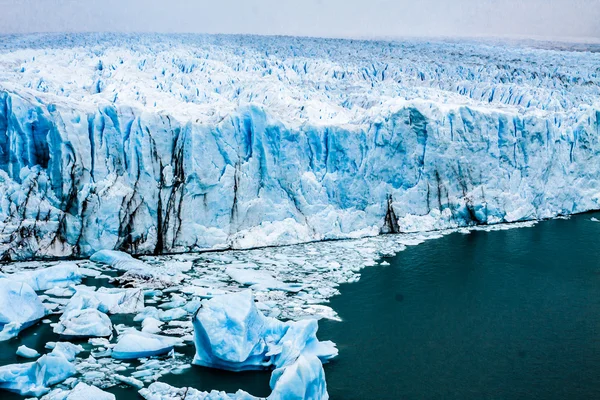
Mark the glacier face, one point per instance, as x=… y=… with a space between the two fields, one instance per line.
x=158 y=143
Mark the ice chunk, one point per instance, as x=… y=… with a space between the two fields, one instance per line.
x=135 y=344
x=35 y=378
x=107 y=300
x=260 y=279
x=136 y=383
x=162 y=391
x=84 y=323
x=19 y=305
x=232 y=333
x=88 y=392
x=57 y=276
x=80 y=392
x=151 y=325
x=26 y=352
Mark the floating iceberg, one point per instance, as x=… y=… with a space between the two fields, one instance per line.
x=20 y=307
x=134 y=344
x=84 y=323
x=57 y=276
x=232 y=333
x=35 y=378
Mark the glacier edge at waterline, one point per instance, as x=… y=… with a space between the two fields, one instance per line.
x=78 y=175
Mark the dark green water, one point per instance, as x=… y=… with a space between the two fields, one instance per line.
x=490 y=315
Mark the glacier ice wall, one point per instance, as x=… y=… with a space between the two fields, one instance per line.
x=183 y=143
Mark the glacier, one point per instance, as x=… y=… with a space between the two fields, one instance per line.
x=153 y=144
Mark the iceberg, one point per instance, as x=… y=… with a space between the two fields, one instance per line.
x=20 y=307
x=84 y=323
x=203 y=142
x=232 y=333
x=35 y=378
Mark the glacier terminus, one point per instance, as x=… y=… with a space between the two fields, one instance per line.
x=153 y=144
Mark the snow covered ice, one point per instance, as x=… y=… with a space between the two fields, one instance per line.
x=258 y=141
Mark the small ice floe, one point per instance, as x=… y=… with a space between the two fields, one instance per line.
x=134 y=344
x=260 y=280
x=26 y=352
x=84 y=323
x=594 y=219
x=136 y=383
x=57 y=276
x=108 y=300
x=20 y=307
x=136 y=271
x=162 y=391
x=35 y=378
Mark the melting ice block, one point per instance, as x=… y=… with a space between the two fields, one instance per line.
x=20 y=307
x=84 y=323
x=135 y=344
x=61 y=275
x=232 y=333
x=35 y=378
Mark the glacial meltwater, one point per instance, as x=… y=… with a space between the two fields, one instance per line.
x=508 y=314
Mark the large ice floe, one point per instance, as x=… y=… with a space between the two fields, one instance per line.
x=159 y=144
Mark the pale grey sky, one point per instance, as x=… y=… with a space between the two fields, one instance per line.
x=337 y=18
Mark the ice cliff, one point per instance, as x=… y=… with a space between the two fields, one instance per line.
x=154 y=144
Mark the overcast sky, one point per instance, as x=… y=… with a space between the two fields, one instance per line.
x=332 y=18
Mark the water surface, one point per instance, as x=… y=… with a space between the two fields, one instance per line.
x=490 y=315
